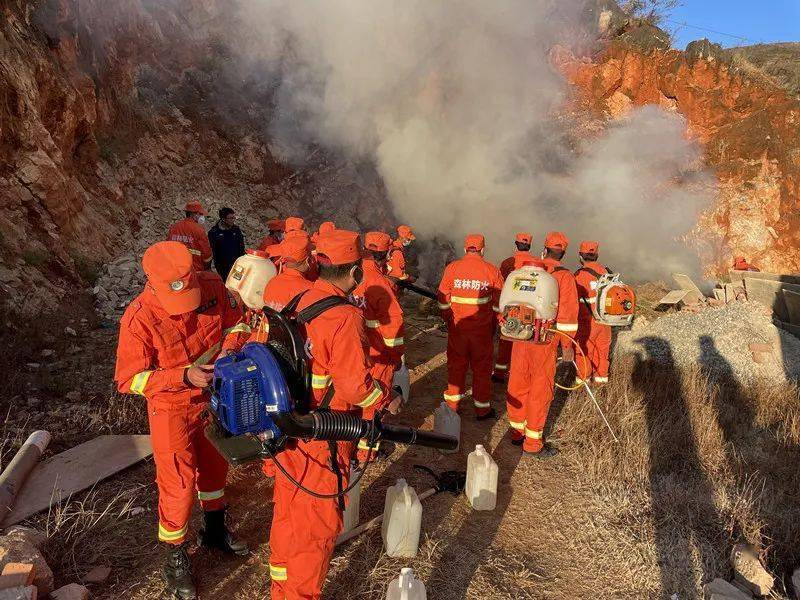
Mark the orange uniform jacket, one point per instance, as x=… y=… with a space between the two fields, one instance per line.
x=396 y=266
x=469 y=292
x=567 y=316
x=384 y=315
x=337 y=342
x=587 y=293
x=190 y=233
x=155 y=349
x=285 y=286
x=267 y=242
x=510 y=264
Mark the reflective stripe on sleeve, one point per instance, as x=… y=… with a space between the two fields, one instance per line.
x=443 y=306
x=567 y=327
x=209 y=354
x=277 y=573
x=139 y=382
x=195 y=252
x=481 y=404
x=534 y=435
x=320 y=382
x=238 y=328
x=364 y=445
x=473 y=301
x=215 y=495
x=372 y=397
x=165 y=535
x=372 y=324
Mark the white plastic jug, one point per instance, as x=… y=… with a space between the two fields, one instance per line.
x=353 y=505
x=406 y=587
x=249 y=276
x=446 y=421
x=481 y=488
x=402 y=521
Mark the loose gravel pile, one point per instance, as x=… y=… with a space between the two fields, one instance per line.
x=718 y=341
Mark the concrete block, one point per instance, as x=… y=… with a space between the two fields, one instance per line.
x=17 y=575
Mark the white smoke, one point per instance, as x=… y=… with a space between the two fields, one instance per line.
x=455 y=102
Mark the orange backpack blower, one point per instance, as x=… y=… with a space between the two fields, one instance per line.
x=616 y=302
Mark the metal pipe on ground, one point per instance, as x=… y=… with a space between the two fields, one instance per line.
x=16 y=473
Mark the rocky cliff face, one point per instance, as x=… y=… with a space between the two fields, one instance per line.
x=112 y=116
x=748 y=125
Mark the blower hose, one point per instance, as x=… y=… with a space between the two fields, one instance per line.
x=578 y=371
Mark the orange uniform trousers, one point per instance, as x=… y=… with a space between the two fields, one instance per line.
x=470 y=348
x=304 y=528
x=382 y=370
x=503 y=360
x=186 y=464
x=530 y=390
x=595 y=341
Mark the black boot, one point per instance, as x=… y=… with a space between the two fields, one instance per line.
x=216 y=534
x=177 y=573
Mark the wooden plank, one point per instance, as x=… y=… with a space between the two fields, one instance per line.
x=76 y=469
x=741 y=275
x=685 y=283
x=769 y=293
x=792 y=300
x=673 y=298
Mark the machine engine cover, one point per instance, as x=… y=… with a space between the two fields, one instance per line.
x=249 y=387
x=528 y=304
x=615 y=302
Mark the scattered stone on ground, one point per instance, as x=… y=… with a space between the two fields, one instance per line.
x=17 y=575
x=796 y=582
x=19 y=593
x=719 y=589
x=749 y=571
x=73 y=591
x=98 y=574
x=70 y=331
x=21 y=545
x=719 y=340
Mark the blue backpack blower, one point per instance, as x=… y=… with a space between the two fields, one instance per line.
x=261 y=398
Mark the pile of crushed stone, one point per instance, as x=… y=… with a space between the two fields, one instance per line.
x=737 y=340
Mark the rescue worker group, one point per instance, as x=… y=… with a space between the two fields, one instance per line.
x=188 y=316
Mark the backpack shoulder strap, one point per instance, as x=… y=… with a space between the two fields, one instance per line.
x=591 y=272
x=312 y=311
x=291 y=306
x=559 y=268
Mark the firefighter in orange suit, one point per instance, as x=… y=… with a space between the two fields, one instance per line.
x=384 y=320
x=275 y=229
x=304 y=528
x=324 y=228
x=533 y=366
x=292 y=258
x=468 y=297
x=190 y=232
x=169 y=337
x=396 y=266
x=523 y=243
x=594 y=337
x=295 y=224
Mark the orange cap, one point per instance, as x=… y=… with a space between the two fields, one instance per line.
x=327 y=227
x=587 y=247
x=524 y=238
x=295 y=224
x=195 y=207
x=292 y=249
x=404 y=231
x=296 y=233
x=339 y=247
x=377 y=241
x=168 y=267
x=474 y=241
x=276 y=225
x=556 y=240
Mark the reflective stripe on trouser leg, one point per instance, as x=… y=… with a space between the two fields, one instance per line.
x=542 y=382
x=457 y=364
x=172 y=537
x=277 y=573
x=363 y=444
x=534 y=435
x=518 y=389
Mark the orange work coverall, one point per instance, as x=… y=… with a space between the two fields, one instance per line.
x=533 y=366
x=468 y=297
x=285 y=286
x=385 y=331
x=192 y=235
x=155 y=349
x=304 y=528
x=503 y=360
x=594 y=337
x=396 y=265
x=268 y=241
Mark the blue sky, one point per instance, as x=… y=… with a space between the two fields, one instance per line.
x=757 y=20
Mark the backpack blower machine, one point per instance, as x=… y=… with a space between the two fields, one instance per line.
x=261 y=398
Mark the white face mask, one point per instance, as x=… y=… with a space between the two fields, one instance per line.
x=406 y=242
x=201 y=219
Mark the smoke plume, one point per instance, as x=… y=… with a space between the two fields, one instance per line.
x=457 y=105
